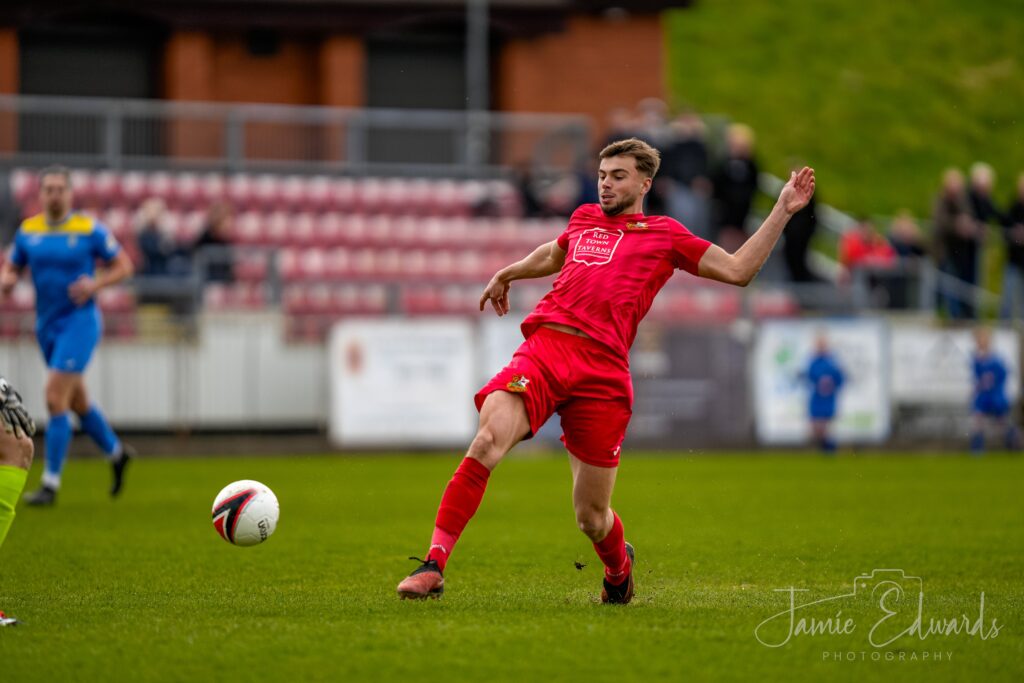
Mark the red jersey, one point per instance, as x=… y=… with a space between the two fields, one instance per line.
x=614 y=266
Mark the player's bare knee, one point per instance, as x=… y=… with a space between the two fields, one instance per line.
x=57 y=399
x=484 y=448
x=593 y=522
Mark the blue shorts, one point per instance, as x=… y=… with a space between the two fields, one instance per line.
x=991 y=406
x=822 y=407
x=69 y=342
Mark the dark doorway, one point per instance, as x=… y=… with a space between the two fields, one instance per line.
x=419 y=71
x=91 y=58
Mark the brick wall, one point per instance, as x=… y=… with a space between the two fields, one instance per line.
x=595 y=65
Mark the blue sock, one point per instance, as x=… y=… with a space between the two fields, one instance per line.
x=977 y=442
x=96 y=426
x=58 y=438
x=828 y=445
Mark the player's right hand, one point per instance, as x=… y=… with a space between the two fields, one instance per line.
x=15 y=418
x=497 y=293
x=8 y=279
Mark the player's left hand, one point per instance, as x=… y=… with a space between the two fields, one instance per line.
x=82 y=289
x=497 y=293
x=13 y=415
x=797 y=192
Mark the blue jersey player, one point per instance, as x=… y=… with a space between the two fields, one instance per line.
x=60 y=248
x=990 y=400
x=825 y=377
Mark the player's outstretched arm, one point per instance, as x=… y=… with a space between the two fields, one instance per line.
x=545 y=260
x=85 y=287
x=741 y=267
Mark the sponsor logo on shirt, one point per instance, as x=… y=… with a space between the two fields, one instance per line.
x=518 y=384
x=596 y=246
x=636 y=225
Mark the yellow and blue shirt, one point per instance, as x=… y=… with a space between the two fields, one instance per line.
x=58 y=254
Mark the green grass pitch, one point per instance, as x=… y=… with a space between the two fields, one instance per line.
x=143 y=589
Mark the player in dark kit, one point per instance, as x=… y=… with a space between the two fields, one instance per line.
x=612 y=260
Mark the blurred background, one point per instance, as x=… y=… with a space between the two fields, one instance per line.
x=314 y=193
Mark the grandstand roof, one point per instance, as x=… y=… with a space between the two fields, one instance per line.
x=356 y=16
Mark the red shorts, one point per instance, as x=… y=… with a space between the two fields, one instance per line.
x=582 y=380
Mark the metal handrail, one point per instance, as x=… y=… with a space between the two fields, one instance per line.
x=104 y=120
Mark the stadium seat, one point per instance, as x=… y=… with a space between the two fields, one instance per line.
x=317 y=194
x=24 y=186
x=134 y=188
x=240 y=191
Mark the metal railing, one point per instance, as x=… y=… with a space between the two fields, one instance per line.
x=121 y=133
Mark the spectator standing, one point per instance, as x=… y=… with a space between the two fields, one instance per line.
x=735 y=185
x=979 y=196
x=1013 y=277
x=215 y=244
x=957 y=238
x=155 y=245
x=684 y=181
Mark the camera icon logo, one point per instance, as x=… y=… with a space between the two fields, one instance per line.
x=885 y=580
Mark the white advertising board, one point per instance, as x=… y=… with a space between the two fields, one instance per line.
x=781 y=356
x=934 y=367
x=402 y=383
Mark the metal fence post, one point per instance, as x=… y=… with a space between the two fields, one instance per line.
x=235 y=140
x=113 y=133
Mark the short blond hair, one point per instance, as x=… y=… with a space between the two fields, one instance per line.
x=647 y=158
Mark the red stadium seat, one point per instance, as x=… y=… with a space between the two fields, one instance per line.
x=24 y=186
x=276 y=229
x=318 y=191
x=84 y=189
x=329 y=230
x=303 y=230
x=247 y=228
x=240 y=191
x=343 y=196
x=338 y=263
x=212 y=188
x=266 y=192
x=345 y=299
x=292 y=191
x=116 y=300
x=134 y=188
x=161 y=185
x=186 y=191
x=251 y=265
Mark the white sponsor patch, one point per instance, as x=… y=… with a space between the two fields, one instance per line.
x=596 y=246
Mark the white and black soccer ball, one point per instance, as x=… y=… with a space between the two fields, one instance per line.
x=245 y=512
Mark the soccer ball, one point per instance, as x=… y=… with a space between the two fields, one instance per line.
x=245 y=512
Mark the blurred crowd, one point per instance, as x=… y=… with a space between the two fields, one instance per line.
x=709 y=180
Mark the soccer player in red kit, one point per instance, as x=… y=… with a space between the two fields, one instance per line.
x=612 y=260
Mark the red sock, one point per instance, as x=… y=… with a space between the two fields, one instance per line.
x=458 y=505
x=612 y=551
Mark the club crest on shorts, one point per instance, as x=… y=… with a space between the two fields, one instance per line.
x=518 y=384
